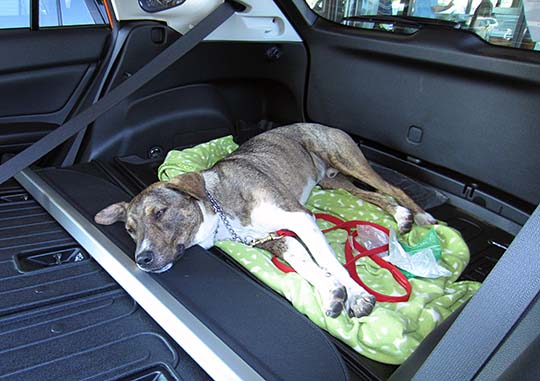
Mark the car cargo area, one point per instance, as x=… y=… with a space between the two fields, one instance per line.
x=438 y=108
x=52 y=286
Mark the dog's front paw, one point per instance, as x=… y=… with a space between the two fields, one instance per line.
x=404 y=219
x=335 y=301
x=360 y=305
x=424 y=219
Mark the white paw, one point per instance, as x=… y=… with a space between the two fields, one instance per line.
x=334 y=300
x=404 y=219
x=424 y=219
x=359 y=305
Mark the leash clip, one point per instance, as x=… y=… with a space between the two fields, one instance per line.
x=268 y=238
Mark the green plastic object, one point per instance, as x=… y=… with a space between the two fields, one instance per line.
x=430 y=241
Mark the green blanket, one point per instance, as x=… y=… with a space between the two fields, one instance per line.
x=393 y=330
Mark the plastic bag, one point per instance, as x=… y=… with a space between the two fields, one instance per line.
x=371 y=237
x=420 y=260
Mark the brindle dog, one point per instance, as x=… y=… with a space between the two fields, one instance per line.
x=261 y=188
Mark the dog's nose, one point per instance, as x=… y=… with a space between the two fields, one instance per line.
x=145 y=258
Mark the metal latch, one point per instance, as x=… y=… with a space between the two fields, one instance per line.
x=468 y=190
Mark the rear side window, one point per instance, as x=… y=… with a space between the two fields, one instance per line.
x=14 y=14
x=52 y=13
x=512 y=23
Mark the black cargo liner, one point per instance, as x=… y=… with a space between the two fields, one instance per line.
x=27 y=230
x=70 y=320
x=105 y=336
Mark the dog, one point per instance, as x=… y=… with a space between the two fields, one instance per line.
x=257 y=190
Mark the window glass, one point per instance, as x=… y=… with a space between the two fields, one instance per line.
x=48 y=13
x=52 y=13
x=75 y=12
x=14 y=14
x=68 y=13
x=513 y=23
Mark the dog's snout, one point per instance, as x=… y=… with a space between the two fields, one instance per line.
x=145 y=258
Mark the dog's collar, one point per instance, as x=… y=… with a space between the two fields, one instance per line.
x=223 y=217
x=234 y=235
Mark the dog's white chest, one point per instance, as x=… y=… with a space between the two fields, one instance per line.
x=265 y=218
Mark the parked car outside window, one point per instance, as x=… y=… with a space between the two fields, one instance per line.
x=511 y=23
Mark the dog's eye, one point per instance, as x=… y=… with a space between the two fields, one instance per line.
x=160 y=213
x=129 y=230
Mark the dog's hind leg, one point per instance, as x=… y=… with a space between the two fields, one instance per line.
x=332 y=292
x=402 y=215
x=342 y=153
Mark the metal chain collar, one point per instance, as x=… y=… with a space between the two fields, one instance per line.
x=219 y=210
x=234 y=236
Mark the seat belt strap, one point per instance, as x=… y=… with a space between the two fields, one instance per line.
x=491 y=314
x=157 y=65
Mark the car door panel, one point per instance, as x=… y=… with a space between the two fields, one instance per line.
x=50 y=47
x=27 y=89
x=42 y=78
x=440 y=95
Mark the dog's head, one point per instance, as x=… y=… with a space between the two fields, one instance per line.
x=163 y=220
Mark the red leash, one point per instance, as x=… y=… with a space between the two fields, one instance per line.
x=350 y=264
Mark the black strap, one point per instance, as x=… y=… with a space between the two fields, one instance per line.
x=166 y=58
x=492 y=313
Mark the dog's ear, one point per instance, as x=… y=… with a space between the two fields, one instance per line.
x=191 y=183
x=112 y=213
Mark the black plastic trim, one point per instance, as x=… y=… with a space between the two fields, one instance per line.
x=512 y=212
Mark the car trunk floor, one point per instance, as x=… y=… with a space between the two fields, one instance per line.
x=62 y=316
x=30 y=240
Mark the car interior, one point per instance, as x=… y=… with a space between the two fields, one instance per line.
x=452 y=108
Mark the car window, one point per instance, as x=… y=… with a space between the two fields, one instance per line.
x=52 y=13
x=15 y=14
x=513 y=23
